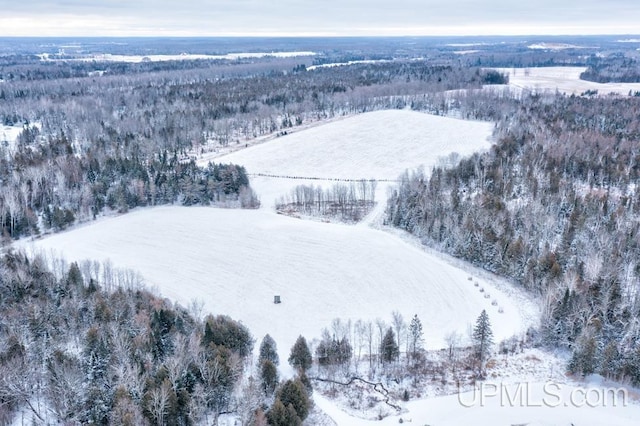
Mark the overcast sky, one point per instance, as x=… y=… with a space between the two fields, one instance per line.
x=310 y=17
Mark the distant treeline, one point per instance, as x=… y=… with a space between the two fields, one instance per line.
x=118 y=139
x=617 y=69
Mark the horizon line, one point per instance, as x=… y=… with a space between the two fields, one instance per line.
x=327 y=35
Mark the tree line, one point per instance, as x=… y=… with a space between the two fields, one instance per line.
x=553 y=206
x=73 y=352
x=90 y=143
x=196 y=108
x=47 y=187
x=613 y=69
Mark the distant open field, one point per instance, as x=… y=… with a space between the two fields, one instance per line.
x=563 y=79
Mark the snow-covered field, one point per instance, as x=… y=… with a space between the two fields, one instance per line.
x=236 y=261
x=340 y=64
x=554 y=46
x=378 y=145
x=563 y=79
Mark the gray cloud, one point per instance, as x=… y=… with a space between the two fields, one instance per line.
x=343 y=16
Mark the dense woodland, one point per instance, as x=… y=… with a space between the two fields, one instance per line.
x=552 y=206
x=119 y=140
x=619 y=69
x=87 y=344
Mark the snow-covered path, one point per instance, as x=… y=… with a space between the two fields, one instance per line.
x=531 y=404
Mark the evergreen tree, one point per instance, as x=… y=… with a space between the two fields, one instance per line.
x=388 y=347
x=300 y=357
x=610 y=365
x=332 y=351
x=482 y=337
x=162 y=326
x=293 y=392
x=279 y=415
x=583 y=360
x=632 y=366
x=268 y=350
x=268 y=376
x=98 y=390
x=304 y=379
x=223 y=331
x=416 y=336
x=74 y=277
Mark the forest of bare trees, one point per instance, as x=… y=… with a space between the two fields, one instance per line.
x=348 y=202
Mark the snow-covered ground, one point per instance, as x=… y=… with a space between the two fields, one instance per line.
x=236 y=261
x=340 y=64
x=554 y=46
x=9 y=136
x=545 y=403
x=524 y=388
x=563 y=79
x=375 y=145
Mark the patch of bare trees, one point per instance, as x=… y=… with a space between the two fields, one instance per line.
x=348 y=202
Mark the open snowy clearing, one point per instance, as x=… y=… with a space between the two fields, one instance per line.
x=341 y=64
x=10 y=133
x=563 y=79
x=9 y=136
x=236 y=261
x=379 y=144
x=375 y=145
